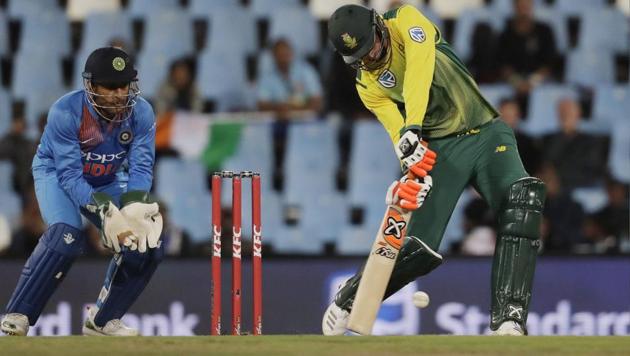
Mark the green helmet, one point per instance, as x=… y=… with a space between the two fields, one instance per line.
x=353 y=30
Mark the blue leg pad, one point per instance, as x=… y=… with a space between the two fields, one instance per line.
x=47 y=266
x=127 y=276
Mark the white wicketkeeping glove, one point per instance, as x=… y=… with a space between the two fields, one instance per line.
x=146 y=222
x=115 y=229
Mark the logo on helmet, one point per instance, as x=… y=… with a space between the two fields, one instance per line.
x=118 y=64
x=349 y=41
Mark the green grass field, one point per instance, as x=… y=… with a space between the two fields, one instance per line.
x=316 y=345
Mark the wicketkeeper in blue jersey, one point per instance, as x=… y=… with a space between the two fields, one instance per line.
x=95 y=159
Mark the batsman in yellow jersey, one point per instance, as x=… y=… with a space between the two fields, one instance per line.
x=448 y=137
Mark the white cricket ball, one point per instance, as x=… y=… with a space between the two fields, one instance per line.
x=420 y=299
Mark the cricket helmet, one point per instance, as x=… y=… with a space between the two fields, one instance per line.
x=353 y=30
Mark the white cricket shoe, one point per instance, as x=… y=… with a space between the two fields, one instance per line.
x=114 y=327
x=335 y=320
x=509 y=328
x=14 y=324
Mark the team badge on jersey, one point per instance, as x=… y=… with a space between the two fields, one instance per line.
x=387 y=79
x=125 y=137
x=417 y=34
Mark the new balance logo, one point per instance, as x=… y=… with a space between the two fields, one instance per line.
x=67 y=237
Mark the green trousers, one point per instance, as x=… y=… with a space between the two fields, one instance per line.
x=487 y=158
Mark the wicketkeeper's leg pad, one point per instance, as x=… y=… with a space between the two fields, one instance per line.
x=415 y=259
x=44 y=270
x=515 y=252
x=128 y=274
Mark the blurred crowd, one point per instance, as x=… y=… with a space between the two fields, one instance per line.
x=508 y=47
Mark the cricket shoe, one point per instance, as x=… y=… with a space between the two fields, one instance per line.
x=114 y=327
x=14 y=324
x=509 y=328
x=335 y=320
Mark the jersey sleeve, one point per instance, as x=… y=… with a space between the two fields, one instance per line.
x=418 y=34
x=142 y=150
x=385 y=110
x=62 y=133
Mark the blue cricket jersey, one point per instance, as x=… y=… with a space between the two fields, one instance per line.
x=86 y=151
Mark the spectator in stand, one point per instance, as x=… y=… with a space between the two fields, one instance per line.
x=19 y=150
x=527 y=146
x=580 y=158
x=288 y=86
x=179 y=91
x=526 y=49
x=562 y=217
x=606 y=230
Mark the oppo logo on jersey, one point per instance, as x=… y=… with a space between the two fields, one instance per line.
x=96 y=164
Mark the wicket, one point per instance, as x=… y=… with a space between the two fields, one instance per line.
x=215 y=320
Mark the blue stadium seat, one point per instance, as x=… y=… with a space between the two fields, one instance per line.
x=36 y=80
x=222 y=78
x=4 y=33
x=612 y=37
x=296 y=240
x=100 y=28
x=357 y=240
x=266 y=8
x=573 y=7
x=543 y=102
x=494 y=93
x=205 y=8
x=588 y=67
x=160 y=36
x=611 y=103
x=322 y=9
x=45 y=33
x=373 y=167
x=506 y=7
x=5 y=112
x=591 y=199
x=558 y=23
x=619 y=158
x=79 y=65
x=148 y=8
x=11 y=206
x=465 y=27
x=298 y=26
x=6 y=176
x=324 y=219
x=224 y=23
x=271 y=212
x=192 y=213
x=254 y=152
x=27 y=8
x=152 y=69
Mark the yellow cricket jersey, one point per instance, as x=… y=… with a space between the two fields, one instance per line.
x=425 y=85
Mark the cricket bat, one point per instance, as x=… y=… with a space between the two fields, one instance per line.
x=378 y=269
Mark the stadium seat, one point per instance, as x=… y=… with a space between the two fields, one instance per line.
x=6 y=176
x=222 y=78
x=271 y=212
x=46 y=33
x=5 y=112
x=373 y=167
x=494 y=93
x=543 y=108
x=160 y=35
x=506 y=7
x=293 y=240
x=205 y=8
x=223 y=24
x=573 y=7
x=78 y=10
x=11 y=206
x=152 y=71
x=148 y=8
x=322 y=9
x=4 y=35
x=357 y=240
x=266 y=8
x=465 y=28
x=191 y=212
x=285 y=21
x=611 y=103
x=588 y=67
x=559 y=25
x=455 y=8
x=591 y=199
x=100 y=28
x=612 y=37
x=619 y=158
x=27 y=8
x=326 y=217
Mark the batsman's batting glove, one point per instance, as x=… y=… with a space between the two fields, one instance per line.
x=409 y=193
x=115 y=231
x=143 y=215
x=415 y=154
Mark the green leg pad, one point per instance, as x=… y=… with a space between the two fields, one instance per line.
x=415 y=259
x=515 y=253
